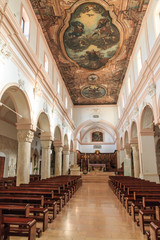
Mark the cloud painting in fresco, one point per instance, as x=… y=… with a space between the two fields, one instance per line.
x=91 y=38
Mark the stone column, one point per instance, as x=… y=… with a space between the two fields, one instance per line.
x=136 y=160
x=122 y=156
x=148 y=157
x=65 y=162
x=127 y=162
x=46 y=159
x=58 y=161
x=118 y=159
x=71 y=158
x=24 y=138
x=75 y=158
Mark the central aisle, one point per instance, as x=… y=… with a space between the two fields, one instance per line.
x=94 y=213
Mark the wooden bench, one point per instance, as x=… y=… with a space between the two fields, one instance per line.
x=17 y=226
x=35 y=201
x=39 y=214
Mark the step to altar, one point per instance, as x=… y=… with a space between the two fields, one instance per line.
x=94 y=177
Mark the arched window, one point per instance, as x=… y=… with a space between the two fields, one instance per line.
x=157 y=19
x=25 y=23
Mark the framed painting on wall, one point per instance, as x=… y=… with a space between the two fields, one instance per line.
x=97 y=136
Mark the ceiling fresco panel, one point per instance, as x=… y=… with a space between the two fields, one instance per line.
x=92 y=42
x=91 y=38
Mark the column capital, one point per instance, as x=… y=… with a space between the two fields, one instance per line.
x=25 y=135
x=66 y=148
x=66 y=152
x=46 y=144
x=58 y=149
x=134 y=146
x=46 y=136
x=147 y=132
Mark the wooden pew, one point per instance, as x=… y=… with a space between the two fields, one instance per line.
x=21 y=192
x=39 y=214
x=35 y=201
x=17 y=226
x=155 y=226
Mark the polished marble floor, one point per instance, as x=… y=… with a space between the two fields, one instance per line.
x=94 y=213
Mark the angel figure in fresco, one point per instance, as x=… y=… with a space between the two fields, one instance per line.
x=78 y=29
x=103 y=27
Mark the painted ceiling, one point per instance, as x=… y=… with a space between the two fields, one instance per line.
x=92 y=42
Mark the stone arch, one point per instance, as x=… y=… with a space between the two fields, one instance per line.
x=102 y=129
x=57 y=136
x=44 y=122
x=16 y=112
x=148 y=146
x=20 y=101
x=66 y=143
x=147 y=118
x=126 y=138
x=84 y=124
x=133 y=132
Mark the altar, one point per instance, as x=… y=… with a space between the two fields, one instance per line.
x=96 y=167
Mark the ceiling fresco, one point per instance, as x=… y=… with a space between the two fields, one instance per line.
x=91 y=38
x=93 y=91
x=92 y=42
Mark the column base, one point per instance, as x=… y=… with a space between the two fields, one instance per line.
x=75 y=170
x=151 y=177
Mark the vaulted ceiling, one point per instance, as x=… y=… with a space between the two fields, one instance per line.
x=92 y=42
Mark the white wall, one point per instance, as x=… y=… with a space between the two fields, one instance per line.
x=104 y=149
x=84 y=113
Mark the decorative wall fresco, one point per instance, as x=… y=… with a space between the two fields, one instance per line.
x=97 y=136
x=91 y=38
x=93 y=92
x=80 y=34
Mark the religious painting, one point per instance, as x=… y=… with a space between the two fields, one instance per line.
x=97 y=136
x=91 y=38
x=93 y=77
x=93 y=91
